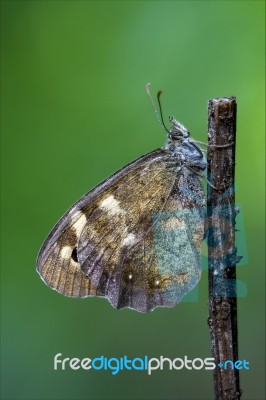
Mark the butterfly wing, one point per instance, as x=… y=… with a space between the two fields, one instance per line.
x=113 y=241
x=57 y=261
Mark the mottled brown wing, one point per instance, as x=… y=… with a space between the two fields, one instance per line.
x=165 y=265
x=57 y=261
x=113 y=241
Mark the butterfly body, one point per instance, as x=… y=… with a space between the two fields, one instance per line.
x=135 y=238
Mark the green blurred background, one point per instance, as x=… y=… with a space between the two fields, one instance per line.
x=73 y=111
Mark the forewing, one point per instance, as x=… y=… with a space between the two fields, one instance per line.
x=58 y=262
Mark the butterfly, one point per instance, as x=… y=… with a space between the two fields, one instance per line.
x=134 y=239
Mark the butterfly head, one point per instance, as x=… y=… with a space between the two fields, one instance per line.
x=178 y=132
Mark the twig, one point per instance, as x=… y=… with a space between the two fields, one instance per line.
x=221 y=246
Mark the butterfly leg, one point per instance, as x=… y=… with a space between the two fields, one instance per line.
x=217 y=146
x=202 y=176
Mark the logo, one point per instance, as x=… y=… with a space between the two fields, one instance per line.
x=146 y=364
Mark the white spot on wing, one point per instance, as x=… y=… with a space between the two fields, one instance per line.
x=111 y=205
x=66 y=252
x=129 y=239
x=80 y=221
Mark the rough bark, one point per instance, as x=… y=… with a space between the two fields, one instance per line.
x=221 y=245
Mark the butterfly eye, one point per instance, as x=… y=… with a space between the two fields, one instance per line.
x=74 y=255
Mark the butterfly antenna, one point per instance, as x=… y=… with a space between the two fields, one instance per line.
x=160 y=108
x=159 y=116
